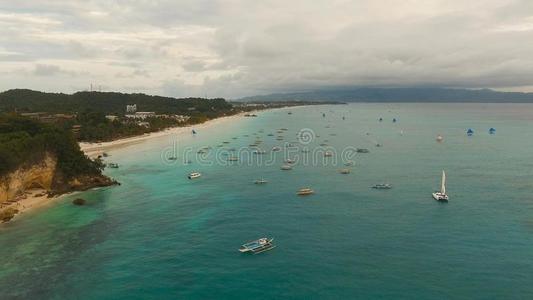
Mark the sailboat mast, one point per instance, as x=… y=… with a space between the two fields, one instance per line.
x=443 y=183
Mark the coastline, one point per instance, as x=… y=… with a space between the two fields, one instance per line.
x=34 y=199
x=30 y=201
x=93 y=150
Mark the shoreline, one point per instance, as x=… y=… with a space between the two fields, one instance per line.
x=93 y=150
x=33 y=199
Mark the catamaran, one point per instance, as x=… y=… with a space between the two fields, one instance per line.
x=441 y=196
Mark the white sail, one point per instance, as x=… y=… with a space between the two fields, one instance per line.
x=443 y=183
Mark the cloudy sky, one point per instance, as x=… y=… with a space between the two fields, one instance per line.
x=236 y=48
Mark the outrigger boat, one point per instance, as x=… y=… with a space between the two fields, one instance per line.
x=382 y=186
x=257 y=246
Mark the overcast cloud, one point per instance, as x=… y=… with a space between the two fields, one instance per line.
x=237 y=48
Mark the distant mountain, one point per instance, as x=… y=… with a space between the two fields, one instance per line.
x=399 y=95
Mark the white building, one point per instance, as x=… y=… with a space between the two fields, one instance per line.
x=131 y=108
x=141 y=115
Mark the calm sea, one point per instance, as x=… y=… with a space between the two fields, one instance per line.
x=162 y=236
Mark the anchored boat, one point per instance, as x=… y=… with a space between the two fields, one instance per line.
x=305 y=192
x=441 y=196
x=260 y=181
x=344 y=171
x=194 y=175
x=257 y=246
x=382 y=186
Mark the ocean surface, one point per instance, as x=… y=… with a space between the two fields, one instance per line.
x=162 y=236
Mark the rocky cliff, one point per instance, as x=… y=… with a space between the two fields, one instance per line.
x=45 y=175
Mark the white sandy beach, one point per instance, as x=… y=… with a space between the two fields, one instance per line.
x=31 y=200
x=93 y=150
x=37 y=198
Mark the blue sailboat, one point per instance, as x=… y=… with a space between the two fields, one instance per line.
x=469 y=132
x=492 y=130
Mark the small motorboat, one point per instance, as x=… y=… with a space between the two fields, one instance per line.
x=328 y=154
x=440 y=138
x=305 y=192
x=113 y=165
x=233 y=158
x=470 y=132
x=172 y=158
x=286 y=167
x=194 y=175
x=362 y=150
x=349 y=163
x=257 y=246
x=344 y=171
x=276 y=148
x=382 y=186
x=492 y=130
x=289 y=161
x=260 y=181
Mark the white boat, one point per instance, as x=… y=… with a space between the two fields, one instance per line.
x=441 y=196
x=276 y=148
x=257 y=246
x=286 y=167
x=260 y=181
x=382 y=186
x=194 y=175
x=305 y=192
x=344 y=171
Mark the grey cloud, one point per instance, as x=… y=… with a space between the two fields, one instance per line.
x=237 y=47
x=53 y=70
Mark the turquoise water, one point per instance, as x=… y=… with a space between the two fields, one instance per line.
x=162 y=236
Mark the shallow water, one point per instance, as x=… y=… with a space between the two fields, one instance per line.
x=160 y=235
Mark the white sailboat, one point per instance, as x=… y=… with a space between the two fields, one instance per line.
x=441 y=196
